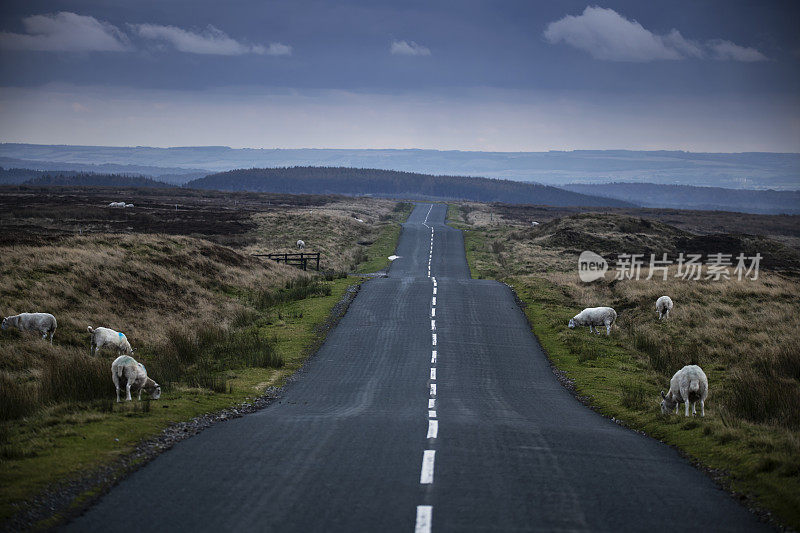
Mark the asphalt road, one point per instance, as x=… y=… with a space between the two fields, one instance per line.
x=401 y=423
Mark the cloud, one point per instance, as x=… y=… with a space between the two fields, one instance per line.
x=65 y=32
x=211 y=41
x=727 y=50
x=409 y=48
x=607 y=35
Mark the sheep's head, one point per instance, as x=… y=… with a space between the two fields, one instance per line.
x=5 y=324
x=667 y=403
x=155 y=392
x=571 y=324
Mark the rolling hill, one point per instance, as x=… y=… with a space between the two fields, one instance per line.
x=389 y=183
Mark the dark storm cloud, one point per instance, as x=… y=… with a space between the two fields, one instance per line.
x=576 y=72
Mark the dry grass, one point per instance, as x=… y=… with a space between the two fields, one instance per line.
x=333 y=230
x=149 y=287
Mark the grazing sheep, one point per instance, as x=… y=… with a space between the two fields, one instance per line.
x=301 y=244
x=534 y=223
x=594 y=317
x=126 y=369
x=44 y=323
x=108 y=337
x=664 y=306
x=128 y=205
x=689 y=384
x=116 y=204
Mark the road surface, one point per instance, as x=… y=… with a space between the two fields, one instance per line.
x=430 y=407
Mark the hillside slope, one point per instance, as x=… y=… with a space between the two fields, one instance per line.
x=361 y=181
x=94 y=180
x=690 y=197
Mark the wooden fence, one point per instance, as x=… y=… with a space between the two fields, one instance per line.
x=301 y=259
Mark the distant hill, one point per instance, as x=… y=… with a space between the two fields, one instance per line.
x=94 y=180
x=15 y=176
x=753 y=170
x=173 y=175
x=390 y=183
x=690 y=197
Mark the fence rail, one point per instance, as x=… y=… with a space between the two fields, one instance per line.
x=301 y=259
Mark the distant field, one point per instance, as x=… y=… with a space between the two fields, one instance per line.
x=743 y=333
x=213 y=325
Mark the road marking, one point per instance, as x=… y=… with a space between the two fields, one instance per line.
x=434 y=338
x=434 y=290
x=424 y=519
x=433 y=301
x=428 y=458
x=431 y=414
x=433 y=374
x=433 y=429
x=434 y=280
x=433 y=356
x=433 y=325
x=433 y=389
x=433 y=311
x=429 y=212
x=431 y=403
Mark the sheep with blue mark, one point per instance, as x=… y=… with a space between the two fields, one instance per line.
x=108 y=337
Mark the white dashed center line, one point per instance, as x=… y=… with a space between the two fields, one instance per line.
x=431 y=403
x=433 y=373
x=434 y=338
x=433 y=356
x=433 y=325
x=426 y=475
x=433 y=301
x=424 y=518
x=433 y=429
x=433 y=389
x=433 y=311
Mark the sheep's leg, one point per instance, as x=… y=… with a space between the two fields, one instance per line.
x=608 y=330
x=590 y=329
x=702 y=408
x=676 y=407
x=694 y=408
x=140 y=394
x=128 y=390
x=117 y=387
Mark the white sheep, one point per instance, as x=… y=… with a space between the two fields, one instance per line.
x=108 y=337
x=128 y=205
x=116 y=204
x=594 y=317
x=689 y=384
x=44 y=323
x=534 y=223
x=126 y=369
x=664 y=306
x=301 y=244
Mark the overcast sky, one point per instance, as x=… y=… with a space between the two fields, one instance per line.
x=467 y=75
